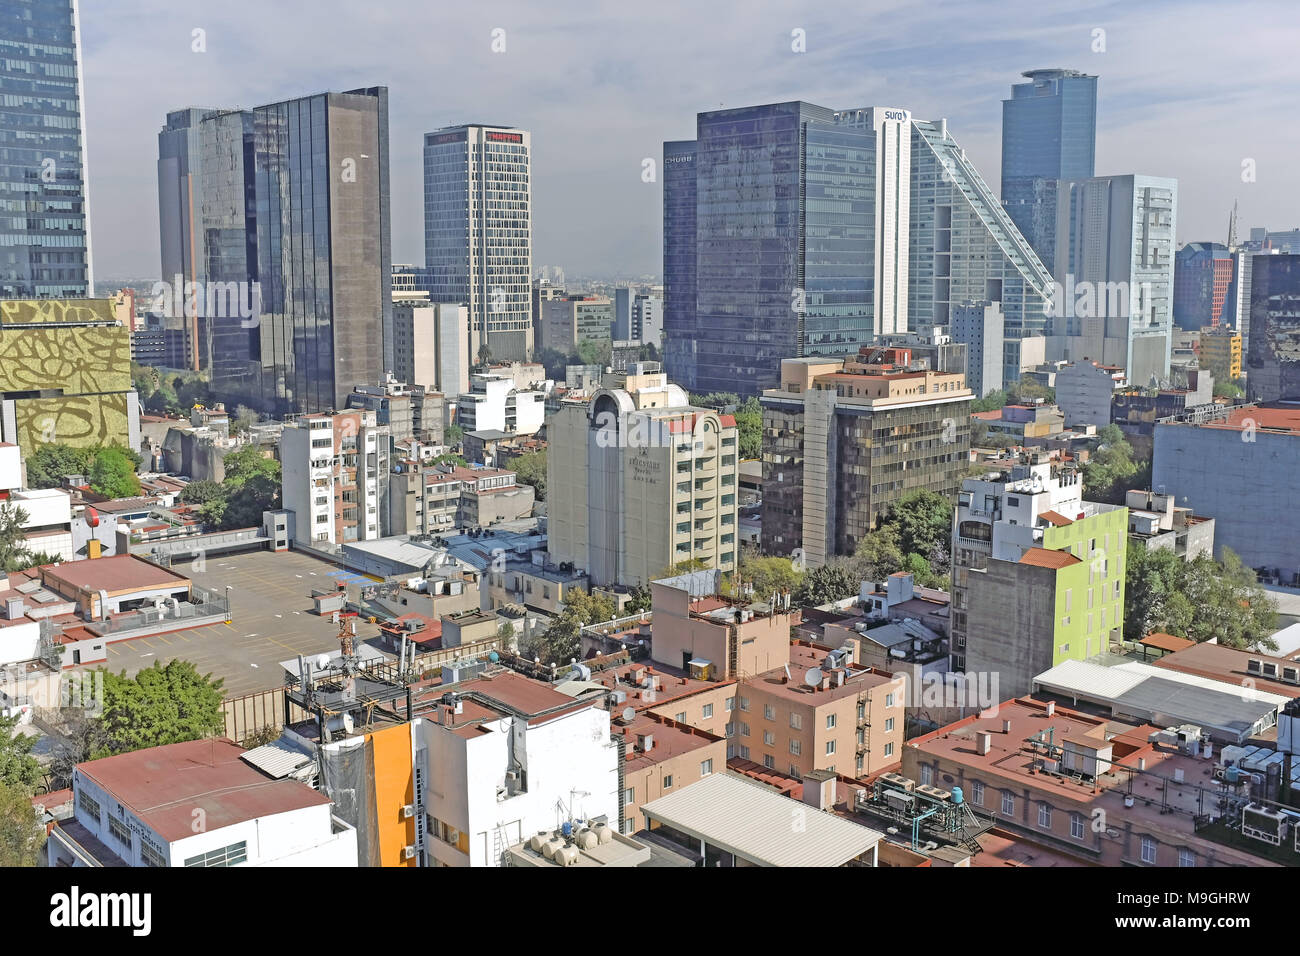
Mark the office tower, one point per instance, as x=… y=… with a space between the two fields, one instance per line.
x=280 y=214
x=1273 y=346
x=980 y=327
x=1037 y=573
x=638 y=481
x=335 y=469
x=65 y=375
x=1113 y=296
x=966 y=250
x=1049 y=133
x=569 y=321
x=845 y=438
x=1202 y=278
x=638 y=317
x=430 y=345
x=46 y=242
x=777 y=246
x=478 y=231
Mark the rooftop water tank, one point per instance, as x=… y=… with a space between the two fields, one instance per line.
x=566 y=855
x=604 y=832
x=1231 y=774
x=956 y=795
x=551 y=846
x=587 y=839
x=539 y=840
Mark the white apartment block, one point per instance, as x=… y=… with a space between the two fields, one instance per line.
x=335 y=477
x=496 y=402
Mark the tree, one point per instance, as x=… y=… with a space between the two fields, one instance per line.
x=878 y=554
x=244 y=420
x=201 y=492
x=83 y=738
x=833 y=581
x=749 y=429
x=921 y=519
x=14 y=552
x=595 y=352
x=1111 y=470
x=1199 y=599
x=252 y=486
x=1027 y=390
x=990 y=402
x=163 y=704
x=49 y=463
x=561 y=641
x=22 y=835
x=555 y=362
x=112 y=474
x=453 y=434
x=638 y=600
x=18 y=768
x=768 y=574
x=530 y=469
x=1228 y=390
x=484 y=354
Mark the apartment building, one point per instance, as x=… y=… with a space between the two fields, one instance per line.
x=496 y=401
x=846 y=438
x=1084 y=391
x=335 y=477
x=639 y=480
x=1220 y=349
x=569 y=321
x=1038 y=573
x=661 y=756
x=434 y=499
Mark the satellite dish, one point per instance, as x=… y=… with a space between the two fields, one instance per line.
x=813 y=677
x=629 y=714
x=347 y=723
x=323 y=661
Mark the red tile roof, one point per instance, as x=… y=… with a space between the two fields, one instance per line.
x=1046 y=558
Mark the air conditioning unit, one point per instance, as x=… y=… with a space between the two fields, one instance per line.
x=408 y=852
x=408 y=811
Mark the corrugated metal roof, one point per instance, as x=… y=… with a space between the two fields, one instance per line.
x=1086 y=678
x=277 y=759
x=1207 y=683
x=757 y=823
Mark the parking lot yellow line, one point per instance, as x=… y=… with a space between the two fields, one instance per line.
x=163 y=639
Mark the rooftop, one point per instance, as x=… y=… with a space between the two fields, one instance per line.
x=753 y=821
x=804 y=657
x=163 y=786
x=670 y=739
x=1046 y=558
x=120 y=572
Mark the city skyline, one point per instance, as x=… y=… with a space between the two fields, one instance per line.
x=592 y=209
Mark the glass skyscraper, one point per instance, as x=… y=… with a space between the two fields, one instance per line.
x=44 y=219
x=1049 y=133
x=802 y=231
x=294 y=197
x=478 y=232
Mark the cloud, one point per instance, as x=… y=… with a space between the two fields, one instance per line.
x=1187 y=90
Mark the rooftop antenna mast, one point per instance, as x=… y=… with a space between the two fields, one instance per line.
x=349 y=661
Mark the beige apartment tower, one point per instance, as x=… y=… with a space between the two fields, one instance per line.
x=639 y=481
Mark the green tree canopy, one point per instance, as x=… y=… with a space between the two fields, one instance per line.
x=18 y=768
x=49 y=463
x=22 y=835
x=833 y=581
x=163 y=704
x=112 y=474
x=201 y=492
x=561 y=641
x=530 y=469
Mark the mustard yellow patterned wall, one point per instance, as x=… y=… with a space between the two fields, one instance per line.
x=43 y=345
x=78 y=420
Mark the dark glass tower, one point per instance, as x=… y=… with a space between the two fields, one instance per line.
x=294 y=197
x=44 y=222
x=679 y=262
x=1049 y=133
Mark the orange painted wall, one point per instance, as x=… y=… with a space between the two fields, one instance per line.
x=394 y=788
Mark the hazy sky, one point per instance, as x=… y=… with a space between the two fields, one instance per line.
x=1187 y=89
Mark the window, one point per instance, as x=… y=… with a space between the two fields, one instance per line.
x=796 y=746
x=730 y=730
x=120 y=832
x=769 y=761
x=769 y=712
x=889 y=700
x=668 y=781
x=1045 y=816
x=889 y=749
x=89 y=805
x=927 y=775
x=680 y=717
x=227 y=856
x=1186 y=857
x=706 y=767
x=977 y=793
x=830 y=747
x=730 y=704
x=769 y=738
x=744 y=703
x=744 y=752
x=1008 y=803
x=1076 y=825
x=796 y=721
x=150 y=856
x=830 y=721
x=889 y=724
x=744 y=729
x=1148 y=850
x=708 y=711
x=629 y=795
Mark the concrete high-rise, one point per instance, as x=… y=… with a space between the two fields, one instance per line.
x=478 y=232
x=46 y=234
x=1273 y=349
x=1049 y=133
x=1113 y=296
x=279 y=216
x=845 y=438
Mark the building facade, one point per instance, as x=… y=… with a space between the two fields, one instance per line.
x=1084 y=391
x=1202 y=277
x=1220 y=350
x=844 y=439
x=1049 y=133
x=335 y=477
x=638 y=481
x=478 y=231
x=284 y=267
x=43 y=172
x=1273 y=340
